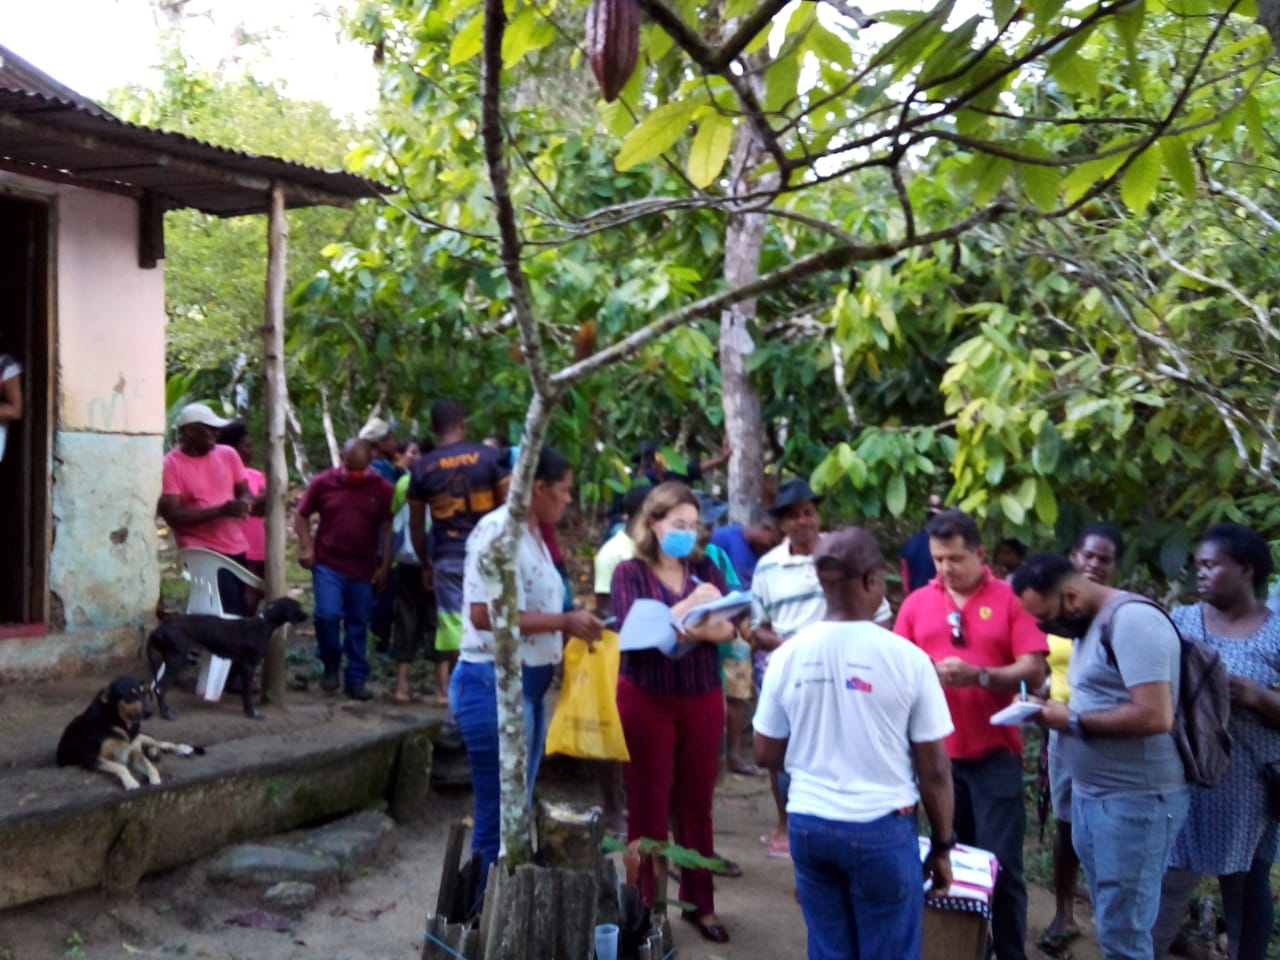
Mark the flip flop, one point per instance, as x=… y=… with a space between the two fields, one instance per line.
x=778 y=849
x=404 y=701
x=1056 y=944
x=746 y=770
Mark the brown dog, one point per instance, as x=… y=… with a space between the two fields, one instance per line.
x=108 y=736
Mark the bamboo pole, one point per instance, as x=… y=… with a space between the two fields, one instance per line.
x=274 y=403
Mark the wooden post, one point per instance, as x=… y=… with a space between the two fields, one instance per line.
x=274 y=404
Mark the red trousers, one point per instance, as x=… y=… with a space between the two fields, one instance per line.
x=674 y=744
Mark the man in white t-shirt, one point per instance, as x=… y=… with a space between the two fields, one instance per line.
x=857 y=717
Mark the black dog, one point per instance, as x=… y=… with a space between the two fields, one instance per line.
x=107 y=736
x=242 y=641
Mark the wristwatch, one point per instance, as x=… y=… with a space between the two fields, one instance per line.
x=984 y=677
x=942 y=846
x=1073 y=727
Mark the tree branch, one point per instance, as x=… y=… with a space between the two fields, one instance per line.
x=815 y=263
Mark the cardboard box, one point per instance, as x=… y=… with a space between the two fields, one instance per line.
x=953 y=935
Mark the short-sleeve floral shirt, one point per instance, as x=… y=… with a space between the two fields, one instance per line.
x=538 y=584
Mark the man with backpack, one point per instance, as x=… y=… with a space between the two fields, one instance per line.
x=1129 y=782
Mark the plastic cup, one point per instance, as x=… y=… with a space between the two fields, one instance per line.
x=606 y=941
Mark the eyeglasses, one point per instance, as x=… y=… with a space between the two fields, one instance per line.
x=957 y=628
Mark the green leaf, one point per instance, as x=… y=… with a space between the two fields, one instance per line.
x=1040 y=184
x=1162 y=449
x=895 y=495
x=468 y=42
x=951 y=53
x=1044 y=455
x=1138 y=183
x=991 y=178
x=1253 y=124
x=655 y=134
x=829 y=48
x=710 y=149
x=527 y=32
x=1011 y=508
x=1046 y=504
x=1177 y=160
x=781 y=81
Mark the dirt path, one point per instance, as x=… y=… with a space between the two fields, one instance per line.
x=380 y=915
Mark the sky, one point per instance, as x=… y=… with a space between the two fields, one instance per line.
x=95 y=45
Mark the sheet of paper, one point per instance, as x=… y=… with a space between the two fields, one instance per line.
x=648 y=627
x=1016 y=714
x=723 y=608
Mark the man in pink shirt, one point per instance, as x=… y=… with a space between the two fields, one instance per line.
x=985 y=647
x=204 y=496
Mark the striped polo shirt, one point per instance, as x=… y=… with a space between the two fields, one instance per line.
x=788 y=596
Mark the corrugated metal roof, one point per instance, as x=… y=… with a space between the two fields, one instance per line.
x=47 y=129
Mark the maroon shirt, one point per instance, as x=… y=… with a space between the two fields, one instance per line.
x=652 y=671
x=351 y=517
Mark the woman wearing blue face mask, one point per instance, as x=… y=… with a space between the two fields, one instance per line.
x=672 y=710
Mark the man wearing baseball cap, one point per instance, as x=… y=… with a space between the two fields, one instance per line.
x=204 y=495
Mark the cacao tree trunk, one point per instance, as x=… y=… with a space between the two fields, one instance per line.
x=744 y=425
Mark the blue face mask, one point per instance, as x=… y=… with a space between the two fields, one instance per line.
x=678 y=543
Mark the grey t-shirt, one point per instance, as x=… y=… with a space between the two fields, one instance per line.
x=1147 y=650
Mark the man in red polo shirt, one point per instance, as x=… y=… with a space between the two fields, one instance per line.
x=984 y=647
x=354 y=507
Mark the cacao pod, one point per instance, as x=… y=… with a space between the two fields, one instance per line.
x=613 y=43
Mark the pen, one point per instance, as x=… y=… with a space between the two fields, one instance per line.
x=610 y=621
x=1024 y=689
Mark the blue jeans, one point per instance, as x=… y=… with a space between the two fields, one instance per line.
x=860 y=886
x=473 y=699
x=1123 y=843
x=345 y=601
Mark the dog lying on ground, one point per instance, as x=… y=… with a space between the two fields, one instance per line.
x=242 y=641
x=107 y=736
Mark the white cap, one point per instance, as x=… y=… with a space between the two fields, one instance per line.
x=375 y=429
x=200 y=413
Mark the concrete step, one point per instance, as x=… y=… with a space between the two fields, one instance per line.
x=64 y=830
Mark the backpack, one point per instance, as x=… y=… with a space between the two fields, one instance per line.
x=1204 y=701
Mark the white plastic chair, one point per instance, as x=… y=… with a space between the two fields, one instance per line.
x=201 y=567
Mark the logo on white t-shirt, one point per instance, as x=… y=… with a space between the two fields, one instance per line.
x=857 y=684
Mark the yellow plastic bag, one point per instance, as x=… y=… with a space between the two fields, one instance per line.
x=586 y=722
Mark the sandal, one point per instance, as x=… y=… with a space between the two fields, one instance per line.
x=778 y=849
x=1056 y=944
x=715 y=932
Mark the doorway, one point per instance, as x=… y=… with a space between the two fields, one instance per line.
x=25 y=333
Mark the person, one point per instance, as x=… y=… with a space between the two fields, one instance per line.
x=459 y=482
x=381 y=436
x=672 y=710
x=735 y=654
x=413 y=627
x=863 y=745
x=984 y=647
x=1095 y=555
x=236 y=436
x=621 y=546
x=654 y=469
x=787 y=596
x=915 y=564
x=1128 y=786
x=407 y=454
x=616 y=549
x=10 y=395
x=745 y=545
x=542 y=622
x=204 y=497
x=1009 y=553
x=349 y=557
x=1229 y=832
